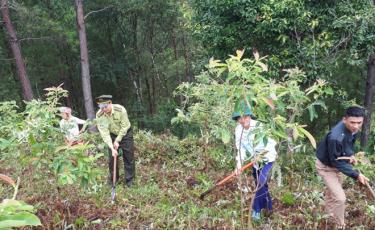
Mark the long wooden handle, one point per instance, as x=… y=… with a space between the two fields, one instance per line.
x=233 y=174
x=223 y=181
x=370 y=190
x=344 y=158
x=114 y=171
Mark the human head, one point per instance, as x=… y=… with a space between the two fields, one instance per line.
x=353 y=118
x=104 y=103
x=242 y=116
x=65 y=112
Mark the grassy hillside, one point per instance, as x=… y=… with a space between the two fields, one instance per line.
x=171 y=174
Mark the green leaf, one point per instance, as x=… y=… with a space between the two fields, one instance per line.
x=18 y=220
x=225 y=136
x=308 y=135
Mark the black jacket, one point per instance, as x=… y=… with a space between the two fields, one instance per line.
x=337 y=143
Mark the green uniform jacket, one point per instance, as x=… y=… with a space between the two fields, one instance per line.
x=117 y=123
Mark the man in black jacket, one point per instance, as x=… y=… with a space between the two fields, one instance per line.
x=339 y=142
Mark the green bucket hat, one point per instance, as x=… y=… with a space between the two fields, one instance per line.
x=237 y=114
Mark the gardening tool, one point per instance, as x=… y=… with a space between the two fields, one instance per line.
x=233 y=174
x=344 y=158
x=223 y=181
x=369 y=189
x=114 y=180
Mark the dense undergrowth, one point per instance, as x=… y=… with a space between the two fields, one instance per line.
x=67 y=186
x=171 y=174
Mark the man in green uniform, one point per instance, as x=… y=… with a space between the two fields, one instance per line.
x=115 y=129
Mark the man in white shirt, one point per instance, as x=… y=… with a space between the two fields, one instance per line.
x=69 y=125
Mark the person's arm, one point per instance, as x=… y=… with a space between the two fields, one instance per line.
x=78 y=121
x=335 y=150
x=104 y=133
x=238 y=134
x=61 y=125
x=81 y=122
x=242 y=146
x=125 y=125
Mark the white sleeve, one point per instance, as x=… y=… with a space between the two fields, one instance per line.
x=78 y=121
x=240 y=157
x=238 y=134
x=241 y=150
x=271 y=148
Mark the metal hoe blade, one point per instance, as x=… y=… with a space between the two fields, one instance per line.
x=113 y=194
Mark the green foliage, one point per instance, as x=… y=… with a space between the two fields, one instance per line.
x=370 y=209
x=288 y=199
x=32 y=137
x=76 y=163
x=366 y=165
x=371 y=144
x=15 y=213
x=331 y=40
x=307 y=34
x=164 y=145
x=210 y=100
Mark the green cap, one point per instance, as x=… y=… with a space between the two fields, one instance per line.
x=103 y=99
x=241 y=109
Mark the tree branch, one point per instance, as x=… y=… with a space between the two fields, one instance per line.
x=40 y=38
x=96 y=11
x=7 y=59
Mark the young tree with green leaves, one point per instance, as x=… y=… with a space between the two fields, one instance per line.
x=210 y=100
x=321 y=37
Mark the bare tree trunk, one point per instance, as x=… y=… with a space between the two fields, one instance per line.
x=368 y=103
x=67 y=86
x=138 y=82
x=16 y=50
x=151 y=107
x=86 y=84
x=151 y=88
x=175 y=52
x=178 y=76
x=187 y=61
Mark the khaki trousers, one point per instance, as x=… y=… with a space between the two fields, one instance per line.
x=334 y=194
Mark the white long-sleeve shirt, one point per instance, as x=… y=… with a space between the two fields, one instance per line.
x=246 y=148
x=70 y=127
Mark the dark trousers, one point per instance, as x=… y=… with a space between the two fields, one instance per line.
x=127 y=146
x=262 y=196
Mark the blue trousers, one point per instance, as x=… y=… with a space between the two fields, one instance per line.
x=262 y=196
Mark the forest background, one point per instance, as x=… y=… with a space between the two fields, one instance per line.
x=160 y=60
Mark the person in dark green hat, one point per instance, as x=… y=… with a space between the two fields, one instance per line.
x=247 y=147
x=115 y=129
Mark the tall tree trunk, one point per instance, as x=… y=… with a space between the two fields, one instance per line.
x=187 y=61
x=151 y=88
x=175 y=52
x=85 y=72
x=16 y=50
x=138 y=68
x=65 y=73
x=151 y=108
x=368 y=103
